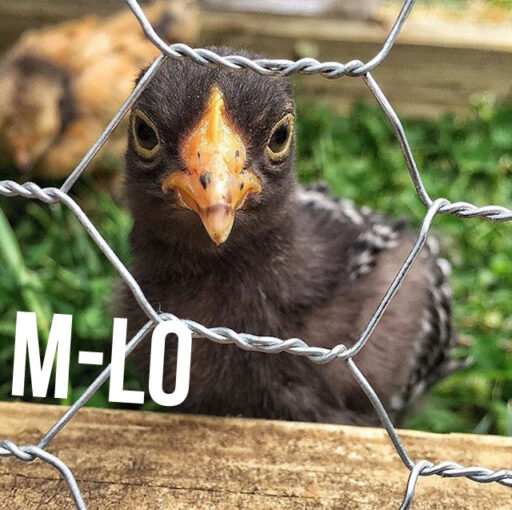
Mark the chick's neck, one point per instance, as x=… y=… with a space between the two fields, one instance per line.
x=265 y=276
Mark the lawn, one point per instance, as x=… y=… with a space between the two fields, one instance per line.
x=50 y=265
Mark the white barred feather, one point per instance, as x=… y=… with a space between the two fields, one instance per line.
x=436 y=337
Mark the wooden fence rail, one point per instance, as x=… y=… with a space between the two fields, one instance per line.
x=149 y=461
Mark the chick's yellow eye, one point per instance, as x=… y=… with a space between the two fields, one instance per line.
x=280 y=140
x=145 y=135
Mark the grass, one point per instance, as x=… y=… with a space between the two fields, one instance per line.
x=51 y=266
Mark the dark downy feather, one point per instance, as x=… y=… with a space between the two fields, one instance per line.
x=298 y=263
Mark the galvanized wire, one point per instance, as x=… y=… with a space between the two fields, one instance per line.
x=246 y=341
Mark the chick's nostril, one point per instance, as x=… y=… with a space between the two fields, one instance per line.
x=205 y=179
x=219 y=209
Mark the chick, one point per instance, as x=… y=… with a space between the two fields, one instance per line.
x=223 y=235
x=60 y=86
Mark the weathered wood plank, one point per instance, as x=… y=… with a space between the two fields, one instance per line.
x=143 y=461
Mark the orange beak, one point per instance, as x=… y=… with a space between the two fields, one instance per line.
x=214 y=183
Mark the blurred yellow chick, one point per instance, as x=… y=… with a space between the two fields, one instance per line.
x=60 y=86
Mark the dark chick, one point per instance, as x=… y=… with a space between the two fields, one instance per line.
x=223 y=235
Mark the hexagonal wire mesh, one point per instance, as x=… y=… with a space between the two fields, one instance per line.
x=294 y=346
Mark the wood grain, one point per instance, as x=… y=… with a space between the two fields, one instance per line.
x=140 y=461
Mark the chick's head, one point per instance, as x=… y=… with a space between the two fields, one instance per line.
x=210 y=155
x=35 y=105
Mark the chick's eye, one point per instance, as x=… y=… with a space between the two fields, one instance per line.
x=145 y=136
x=280 y=140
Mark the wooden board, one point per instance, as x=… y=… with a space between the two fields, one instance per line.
x=143 y=461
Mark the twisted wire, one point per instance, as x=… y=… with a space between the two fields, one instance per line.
x=29 y=453
x=246 y=341
x=272 y=67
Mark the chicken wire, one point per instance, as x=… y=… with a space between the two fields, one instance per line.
x=294 y=346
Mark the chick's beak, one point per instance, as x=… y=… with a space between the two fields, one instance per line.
x=214 y=183
x=21 y=155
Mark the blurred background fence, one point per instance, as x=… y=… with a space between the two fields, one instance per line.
x=447 y=52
